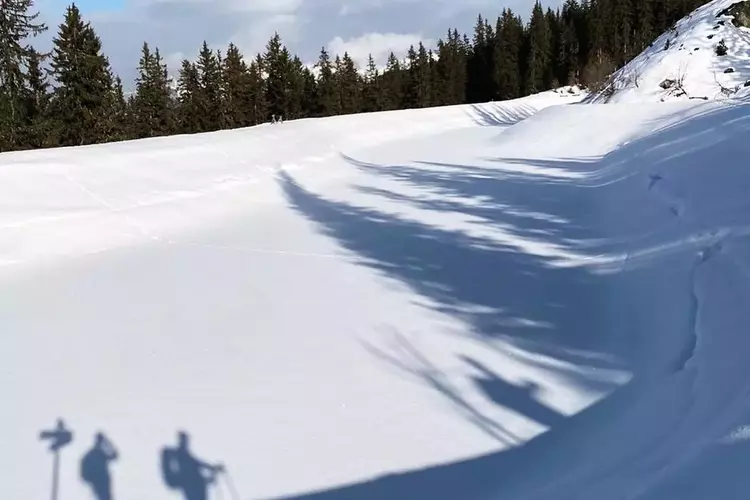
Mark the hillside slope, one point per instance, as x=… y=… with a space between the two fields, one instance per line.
x=706 y=55
x=507 y=301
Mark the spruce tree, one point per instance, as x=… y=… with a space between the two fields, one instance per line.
x=152 y=109
x=189 y=97
x=552 y=75
x=328 y=102
x=277 y=62
x=480 y=83
x=508 y=45
x=257 y=93
x=36 y=126
x=644 y=24
x=538 y=52
x=371 y=92
x=309 y=93
x=81 y=100
x=569 y=49
x=209 y=95
x=348 y=84
x=393 y=84
x=450 y=70
x=424 y=77
x=120 y=116
x=236 y=85
x=295 y=90
x=17 y=25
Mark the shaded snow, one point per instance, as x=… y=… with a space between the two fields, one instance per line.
x=512 y=300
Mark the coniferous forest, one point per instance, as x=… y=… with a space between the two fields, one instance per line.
x=70 y=96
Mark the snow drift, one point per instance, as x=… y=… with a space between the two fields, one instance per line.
x=515 y=300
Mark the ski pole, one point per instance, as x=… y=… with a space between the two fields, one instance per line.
x=230 y=485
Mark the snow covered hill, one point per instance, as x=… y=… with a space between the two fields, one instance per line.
x=521 y=300
x=706 y=55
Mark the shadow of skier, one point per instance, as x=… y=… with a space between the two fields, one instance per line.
x=95 y=467
x=181 y=470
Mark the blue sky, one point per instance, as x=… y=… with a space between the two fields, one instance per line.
x=178 y=27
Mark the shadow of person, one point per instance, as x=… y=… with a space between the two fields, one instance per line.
x=181 y=470
x=521 y=398
x=95 y=467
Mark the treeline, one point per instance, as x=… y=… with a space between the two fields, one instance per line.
x=71 y=96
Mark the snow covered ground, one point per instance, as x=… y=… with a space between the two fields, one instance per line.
x=521 y=300
x=687 y=62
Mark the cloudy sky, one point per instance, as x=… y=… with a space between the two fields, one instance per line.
x=178 y=27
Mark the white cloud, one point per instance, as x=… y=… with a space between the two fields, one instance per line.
x=380 y=45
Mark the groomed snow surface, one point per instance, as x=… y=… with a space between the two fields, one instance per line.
x=530 y=300
x=684 y=64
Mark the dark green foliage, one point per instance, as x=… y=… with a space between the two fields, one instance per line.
x=349 y=85
x=451 y=78
x=393 y=84
x=258 y=106
x=328 y=103
x=36 y=124
x=418 y=85
x=508 y=49
x=480 y=64
x=583 y=41
x=238 y=98
x=277 y=64
x=17 y=25
x=152 y=107
x=372 y=93
x=538 y=52
x=81 y=102
x=209 y=95
x=188 y=97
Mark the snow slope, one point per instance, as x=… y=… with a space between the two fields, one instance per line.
x=683 y=63
x=514 y=300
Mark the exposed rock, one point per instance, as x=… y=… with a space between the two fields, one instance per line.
x=667 y=84
x=721 y=48
x=740 y=13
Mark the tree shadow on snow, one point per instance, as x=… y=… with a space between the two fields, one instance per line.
x=549 y=302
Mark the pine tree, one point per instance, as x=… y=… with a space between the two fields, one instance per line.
x=393 y=84
x=36 y=126
x=210 y=92
x=236 y=85
x=328 y=103
x=121 y=120
x=371 y=93
x=81 y=100
x=423 y=77
x=568 y=51
x=256 y=89
x=538 y=52
x=309 y=93
x=17 y=25
x=552 y=77
x=277 y=62
x=152 y=109
x=295 y=89
x=189 y=95
x=450 y=70
x=348 y=84
x=644 y=24
x=508 y=43
x=480 y=85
